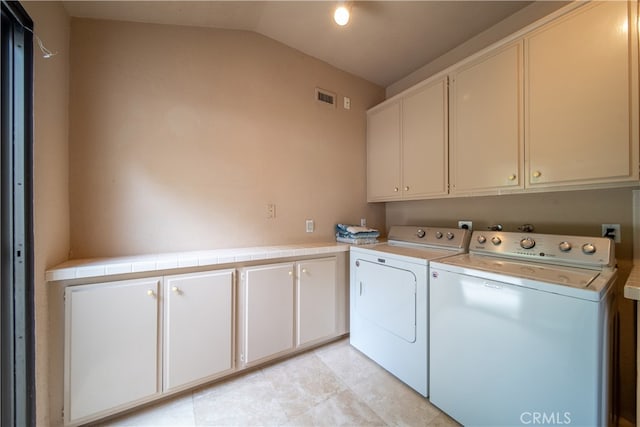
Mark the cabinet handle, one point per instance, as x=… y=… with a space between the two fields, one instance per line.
x=291 y=273
x=396 y=189
x=304 y=270
x=406 y=188
x=512 y=177
x=150 y=292
x=537 y=174
x=176 y=289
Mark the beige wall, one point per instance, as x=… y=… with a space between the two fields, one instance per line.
x=181 y=136
x=517 y=21
x=572 y=213
x=51 y=194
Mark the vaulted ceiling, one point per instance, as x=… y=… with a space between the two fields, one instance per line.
x=384 y=41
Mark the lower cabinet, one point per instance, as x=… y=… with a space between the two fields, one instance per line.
x=111 y=346
x=281 y=301
x=130 y=342
x=198 y=328
x=316 y=300
x=266 y=305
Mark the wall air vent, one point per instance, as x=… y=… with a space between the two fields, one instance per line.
x=326 y=97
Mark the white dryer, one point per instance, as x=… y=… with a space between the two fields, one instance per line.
x=389 y=298
x=520 y=330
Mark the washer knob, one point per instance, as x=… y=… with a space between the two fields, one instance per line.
x=589 y=248
x=481 y=239
x=565 y=246
x=527 y=243
x=438 y=235
x=496 y=240
x=421 y=233
x=450 y=236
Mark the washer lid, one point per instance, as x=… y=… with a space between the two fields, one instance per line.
x=567 y=276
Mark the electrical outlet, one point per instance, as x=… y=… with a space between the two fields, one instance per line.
x=612 y=231
x=271 y=211
x=466 y=224
x=310 y=226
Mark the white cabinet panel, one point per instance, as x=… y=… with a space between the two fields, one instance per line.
x=111 y=346
x=316 y=300
x=407 y=145
x=383 y=152
x=582 y=97
x=424 y=141
x=267 y=296
x=486 y=123
x=198 y=331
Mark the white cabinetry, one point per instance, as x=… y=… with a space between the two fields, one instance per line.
x=111 y=342
x=582 y=97
x=316 y=300
x=407 y=145
x=487 y=151
x=267 y=301
x=552 y=107
x=383 y=152
x=281 y=301
x=130 y=342
x=198 y=327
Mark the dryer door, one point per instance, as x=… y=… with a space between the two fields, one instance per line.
x=386 y=297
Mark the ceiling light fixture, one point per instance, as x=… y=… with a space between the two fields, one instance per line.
x=341 y=15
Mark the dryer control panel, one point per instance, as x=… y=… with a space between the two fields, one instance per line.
x=453 y=238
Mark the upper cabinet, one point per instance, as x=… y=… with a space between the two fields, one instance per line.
x=383 y=152
x=487 y=151
x=407 y=145
x=582 y=99
x=553 y=107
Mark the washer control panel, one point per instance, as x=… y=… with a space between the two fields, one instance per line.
x=558 y=249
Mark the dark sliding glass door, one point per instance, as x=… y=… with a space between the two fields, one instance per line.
x=17 y=404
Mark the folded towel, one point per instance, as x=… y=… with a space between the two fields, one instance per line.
x=365 y=241
x=371 y=234
x=355 y=229
x=353 y=233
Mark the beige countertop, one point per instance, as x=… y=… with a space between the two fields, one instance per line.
x=632 y=286
x=98 y=267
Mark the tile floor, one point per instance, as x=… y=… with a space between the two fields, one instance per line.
x=334 y=385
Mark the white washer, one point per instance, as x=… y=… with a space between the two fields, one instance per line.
x=520 y=330
x=389 y=292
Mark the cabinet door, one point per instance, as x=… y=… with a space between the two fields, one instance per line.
x=198 y=333
x=383 y=153
x=582 y=97
x=316 y=300
x=486 y=123
x=111 y=346
x=267 y=311
x=424 y=142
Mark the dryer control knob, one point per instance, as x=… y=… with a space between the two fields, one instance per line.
x=421 y=233
x=438 y=235
x=589 y=248
x=565 y=246
x=496 y=240
x=450 y=236
x=527 y=243
x=481 y=239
